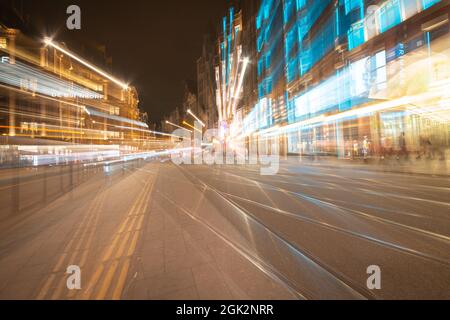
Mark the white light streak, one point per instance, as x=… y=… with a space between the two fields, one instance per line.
x=196 y=118
x=49 y=42
x=177 y=126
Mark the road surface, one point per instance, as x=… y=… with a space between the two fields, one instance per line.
x=153 y=230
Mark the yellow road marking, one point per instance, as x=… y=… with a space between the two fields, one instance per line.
x=98 y=273
x=133 y=244
x=123 y=225
x=134 y=218
x=107 y=281
x=122 y=245
x=45 y=288
x=121 y=282
x=130 y=228
x=109 y=252
x=140 y=223
x=88 y=217
x=59 y=289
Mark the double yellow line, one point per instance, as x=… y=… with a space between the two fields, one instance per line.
x=86 y=231
x=118 y=255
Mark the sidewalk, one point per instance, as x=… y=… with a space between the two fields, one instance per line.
x=411 y=166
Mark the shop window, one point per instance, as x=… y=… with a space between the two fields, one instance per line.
x=390 y=15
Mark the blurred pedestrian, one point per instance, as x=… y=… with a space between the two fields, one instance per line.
x=355 y=149
x=383 y=147
x=403 y=149
x=365 y=148
x=422 y=147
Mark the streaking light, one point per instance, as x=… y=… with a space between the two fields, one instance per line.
x=196 y=118
x=191 y=126
x=177 y=126
x=30 y=79
x=93 y=112
x=49 y=42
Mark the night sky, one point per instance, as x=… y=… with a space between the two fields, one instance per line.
x=154 y=44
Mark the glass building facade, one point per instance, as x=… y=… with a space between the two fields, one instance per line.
x=271 y=108
x=348 y=72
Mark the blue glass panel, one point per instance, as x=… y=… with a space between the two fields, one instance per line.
x=429 y=3
x=390 y=15
x=356 y=35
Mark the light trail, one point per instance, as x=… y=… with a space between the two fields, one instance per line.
x=165 y=134
x=191 y=126
x=35 y=115
x=323 y=119
x=49 y=130
x=49 y=42
x=196 y=118
x=79 y=106
x=34 y=80
x=177 y=126
x=246 y=61
x=91 y=111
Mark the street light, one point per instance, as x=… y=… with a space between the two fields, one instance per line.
x=177 y=126
x=196 y=118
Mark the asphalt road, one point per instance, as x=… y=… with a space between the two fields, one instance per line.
x=157 y=231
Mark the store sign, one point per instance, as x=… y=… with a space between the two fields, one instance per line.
x=396 y=52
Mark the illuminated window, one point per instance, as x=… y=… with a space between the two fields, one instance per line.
x=390 y=15
x=260 y=67
x=410 y=8
x=3 y=43
x=319 y=46
x=258 y=22
x=356 y=36
x=114 y=111
x=290 y=40
x=429 y=3
x=288 y=10
x=301 y=4
x=379 y=72
x=292 y=70
x=261 y=90
x=359 y=81
x=268 y=60
x=269 y=84
x=353 y=4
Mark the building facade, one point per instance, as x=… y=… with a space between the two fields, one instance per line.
x=337 y=75
x=47 y=92
x=206 y=84
x=230 y=69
